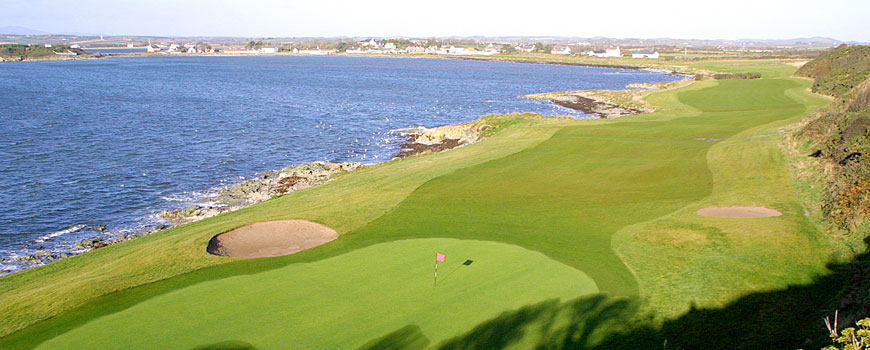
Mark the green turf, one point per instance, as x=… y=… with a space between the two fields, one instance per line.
x=614 y=199
x=341 y=302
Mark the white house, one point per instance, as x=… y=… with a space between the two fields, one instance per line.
x=370 y=42
x=610 y=52
x=268 y=50
x=561 y=50
x=389 y=46
x=192 y=50
x=415 y=49
x=645 y=54
x=525 y=48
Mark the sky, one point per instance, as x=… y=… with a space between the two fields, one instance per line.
x=690 y=19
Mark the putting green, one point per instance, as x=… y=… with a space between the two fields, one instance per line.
x=341 y=302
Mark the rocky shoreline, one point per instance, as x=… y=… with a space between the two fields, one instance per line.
x=607 y=104
x=268 y=185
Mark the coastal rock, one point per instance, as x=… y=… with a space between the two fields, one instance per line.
x=441 y=138
x=191 y=213
x=93 y=243
x=100 y=228
x=463 y=133
x=42 y=257
x=261 y=188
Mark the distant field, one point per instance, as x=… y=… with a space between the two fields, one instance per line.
x=551 y=211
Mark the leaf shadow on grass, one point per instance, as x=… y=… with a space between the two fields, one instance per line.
x=227 y=345
x=553 y=324
x=410 y=337
x=789 y=318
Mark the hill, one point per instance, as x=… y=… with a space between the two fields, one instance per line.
x=837 y=170
x=838 y=71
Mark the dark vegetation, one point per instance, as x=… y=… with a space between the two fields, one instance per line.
x=25 y=52
x=736 y=76
x=838 y=71
x=838 y=135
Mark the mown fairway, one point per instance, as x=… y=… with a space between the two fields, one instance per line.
x=614 y=200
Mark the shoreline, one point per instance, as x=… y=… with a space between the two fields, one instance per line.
x=272 y=183
x=261 y=187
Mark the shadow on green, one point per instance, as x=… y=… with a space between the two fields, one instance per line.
x=410 y=337
x=227 y=345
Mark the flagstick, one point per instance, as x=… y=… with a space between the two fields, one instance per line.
x=436 y=271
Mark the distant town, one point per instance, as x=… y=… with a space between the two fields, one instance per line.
x=25 y=47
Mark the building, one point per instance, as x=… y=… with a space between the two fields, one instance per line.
x=610 y=52
x=268 y=50
x=369 y=42
x=526 y=48
x=645 y=54
x=415 y=49
x=389 y=46
x=192 y=50
x=561 y=50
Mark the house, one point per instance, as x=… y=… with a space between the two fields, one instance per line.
x=389 y=46
x=561 y=50
x=526 y=48
x=415 y=49
x=369 y=42
x=152 y=48
x=268 y=50
x=47 y=46
x=192 y=50
x=645 y=54
x=75 y=46
x=610 y=52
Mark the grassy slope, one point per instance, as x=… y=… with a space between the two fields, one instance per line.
x=567 y=196
x=714 y=260
x=341 y=302
x=344 y=205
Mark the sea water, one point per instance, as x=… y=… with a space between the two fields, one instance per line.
x=115 y=141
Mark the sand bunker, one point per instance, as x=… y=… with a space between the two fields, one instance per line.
x=273 y=238
x=739 y=212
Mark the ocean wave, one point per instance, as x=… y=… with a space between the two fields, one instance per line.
x=67 y=230
x=192 y=196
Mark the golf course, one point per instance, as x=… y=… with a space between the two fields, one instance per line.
x=558 y=234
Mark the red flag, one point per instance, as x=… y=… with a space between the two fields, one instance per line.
x=440 y=257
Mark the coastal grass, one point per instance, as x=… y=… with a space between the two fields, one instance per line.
x=612 y=199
